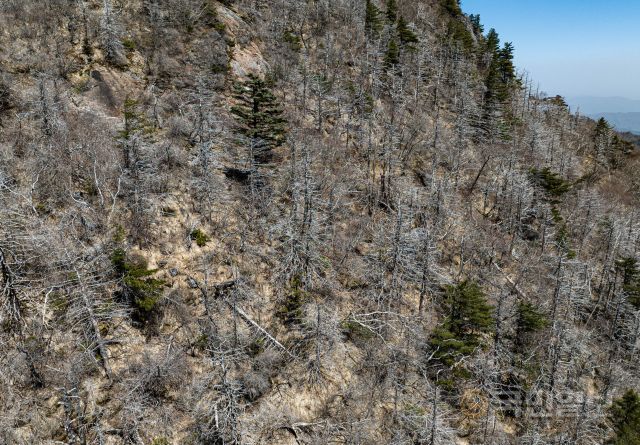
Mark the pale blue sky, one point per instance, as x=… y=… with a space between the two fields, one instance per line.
x=571 y=47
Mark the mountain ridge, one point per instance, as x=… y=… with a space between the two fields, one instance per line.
x=304 y=222
x=591 y=105
x=621 y=121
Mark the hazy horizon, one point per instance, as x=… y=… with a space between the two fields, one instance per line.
x=578 y=49
x=598 y=104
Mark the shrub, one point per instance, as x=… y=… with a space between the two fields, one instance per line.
x=356 y=331
x=139 y=288
x=199 y=237
x=168 y=212
x=294 y=41
x=290 y=311
x=220 y=68
x=129 y=44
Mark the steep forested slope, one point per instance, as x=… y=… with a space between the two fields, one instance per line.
x=324 y=221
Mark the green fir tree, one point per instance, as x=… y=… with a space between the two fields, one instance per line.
x=405 y=34
x=392 y=56
x=372 y=21
x=478 y=28
x=529 y=320
x=259 y=117
x=452 y=7
x=624 y=416
x=469 y=316
x=392 y=11
x=628 y=267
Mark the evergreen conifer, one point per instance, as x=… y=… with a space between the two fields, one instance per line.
x=469 y=316
x=529 y=320
x=392 y=11
x=372 y=21
x=624 y=415
x=405 y=34
x=628 y=266
x=259 y=117
x=392 y=56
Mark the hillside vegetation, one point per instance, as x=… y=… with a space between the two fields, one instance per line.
x=305 y=222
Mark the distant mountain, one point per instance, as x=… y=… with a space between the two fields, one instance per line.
x=593 y=105
x=633 y=138
x=621 y=121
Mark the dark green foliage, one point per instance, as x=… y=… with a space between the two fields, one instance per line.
x=469 y=316
x=628 y=267
x=447 y=347
x=168 y=212
x=506 y=68
x=199 y=237
x=618 y=150
x=501 y=75
x=562 y=239
x=470 y=312
x=529 y=320
x=356 y=331
x=210 y=18
x=392 y=11
x=259 y=116
x=406 y=36
x=134 y=125
x=622 y=146
x=609 y=145
x=602 y=129
x=133 y=120
x=220 y=68
x=256 y=347
x=478 y=28
x=372 y=21
x=452 y=7
x=138 y=287
x=392 y=56
x=6 y=97
x=118 y=259
x=624 y=415
x=290 y=312
x=460 y=35
x=558 y=101
x=292 y=39
x=562 y=232
x=492 y=42
x=129 y=44
x=551 y=182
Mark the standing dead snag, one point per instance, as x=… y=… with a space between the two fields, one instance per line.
x=219 y=293
x=87 y=315
x=10 y=300
x=110 y=33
